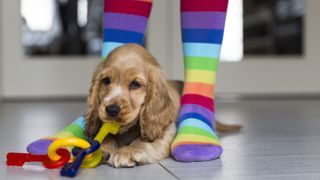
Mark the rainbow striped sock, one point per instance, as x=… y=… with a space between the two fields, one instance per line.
x=202 y=33
x=124 y=21
x=75 y=129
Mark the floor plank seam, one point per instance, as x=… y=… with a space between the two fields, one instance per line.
x=169 y=171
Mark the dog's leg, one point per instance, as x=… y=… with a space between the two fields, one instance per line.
x=108 y=146
x=141 y=152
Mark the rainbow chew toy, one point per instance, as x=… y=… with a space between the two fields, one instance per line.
x=89 y=156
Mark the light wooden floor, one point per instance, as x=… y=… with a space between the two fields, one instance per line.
x=280 y=140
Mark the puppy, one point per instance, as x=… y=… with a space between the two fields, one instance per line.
x=130 y=88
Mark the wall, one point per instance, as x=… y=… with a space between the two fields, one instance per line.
x=1 y=70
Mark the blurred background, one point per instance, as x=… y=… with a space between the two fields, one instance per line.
x=49 y=48
x=73 y=27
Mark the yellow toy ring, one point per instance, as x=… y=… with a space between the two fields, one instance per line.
x=63 y=143
x=97 y=156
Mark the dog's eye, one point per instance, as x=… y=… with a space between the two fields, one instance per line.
x=106 y=81
x=134 y=85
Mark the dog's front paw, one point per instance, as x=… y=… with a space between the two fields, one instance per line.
x=105 y=157
x=127 y=157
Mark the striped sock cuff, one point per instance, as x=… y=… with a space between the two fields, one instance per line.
x=126 y=22
x=199 y=100
x=201 y=76
x=203 y=35
x=196 y=111
x=122 y=36
x=201 y=63
x=204 y=5
x=196 y=49
x=199 y=20
x=193 y=122
x=136 y=7
x=107 y=47
x=199 y=88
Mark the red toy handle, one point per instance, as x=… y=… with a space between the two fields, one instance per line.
x=18 y=159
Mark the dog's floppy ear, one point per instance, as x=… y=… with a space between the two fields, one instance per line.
x=158 y=111
x=93 y=123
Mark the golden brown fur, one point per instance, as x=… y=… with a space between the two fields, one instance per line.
x=132 y=79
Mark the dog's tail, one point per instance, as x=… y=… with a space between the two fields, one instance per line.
x=225 y=128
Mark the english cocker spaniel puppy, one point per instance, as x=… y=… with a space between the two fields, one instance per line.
x=130 y=88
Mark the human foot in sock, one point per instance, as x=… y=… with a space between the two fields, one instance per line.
x=75 y=129
x=202 y=33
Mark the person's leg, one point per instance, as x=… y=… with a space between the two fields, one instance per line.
x=202 y=24
x=124 y=21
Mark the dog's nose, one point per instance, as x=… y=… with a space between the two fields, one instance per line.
x=113 y=110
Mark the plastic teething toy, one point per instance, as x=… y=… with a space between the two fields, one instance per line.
x=71 y=169
x=18 y=159
x=91 y=161
x=52 y=150
x=108 y=127
x=88 y=157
